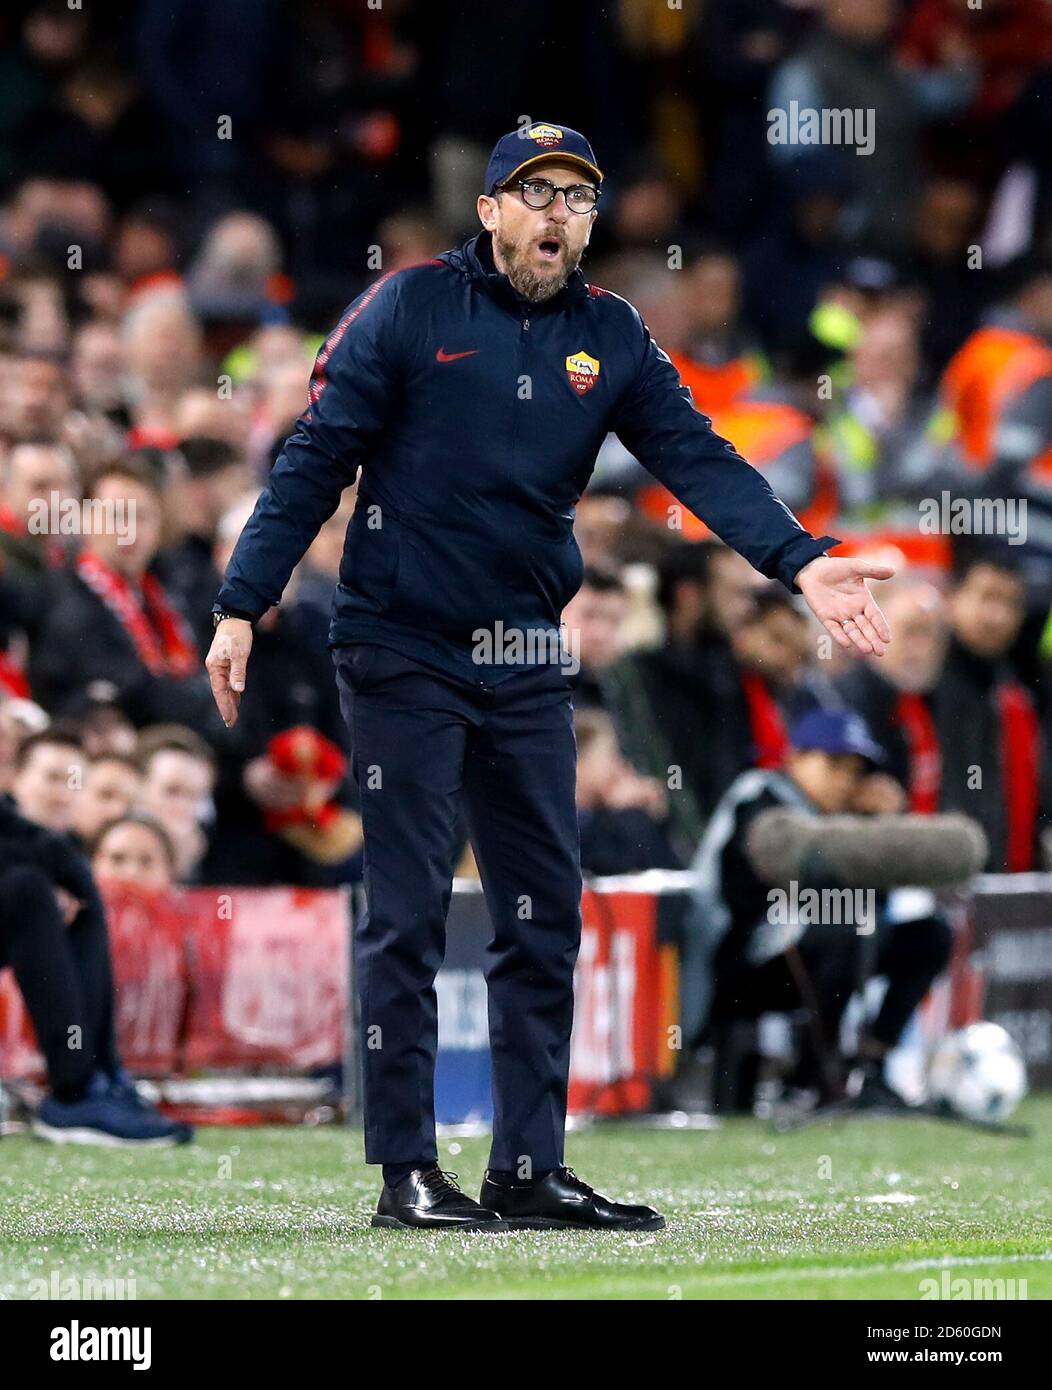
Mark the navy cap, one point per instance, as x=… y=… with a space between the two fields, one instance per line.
x=528 y=145
x=836 y=731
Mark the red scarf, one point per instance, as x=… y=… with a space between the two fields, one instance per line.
x=159 y=635
x=13 y=678
x=769 y=737
x=1019 y=774
x=925 y=755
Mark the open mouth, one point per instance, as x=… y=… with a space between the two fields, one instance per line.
x=550 y=248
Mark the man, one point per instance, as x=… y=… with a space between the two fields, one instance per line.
x=178 y=778
x=112 y=782
x=897 y=699
x=473 y=393
x=53 y=935
x=993 y=756
x=111 y=629
x=594 y=620
x=783 y=831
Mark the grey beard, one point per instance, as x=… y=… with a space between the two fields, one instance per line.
x=526 y=282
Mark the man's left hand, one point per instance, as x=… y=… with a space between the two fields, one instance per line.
x=837 y=594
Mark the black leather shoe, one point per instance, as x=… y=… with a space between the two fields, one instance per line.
x=430 y=1200
x=562 y=1200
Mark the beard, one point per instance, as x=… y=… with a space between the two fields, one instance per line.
x=532 y=285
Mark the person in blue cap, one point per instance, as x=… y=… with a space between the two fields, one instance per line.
x=794 y=907
x=468 y=397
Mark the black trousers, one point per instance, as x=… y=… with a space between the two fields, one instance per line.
x=425 y=746
x=836 y=961
x=63 y=974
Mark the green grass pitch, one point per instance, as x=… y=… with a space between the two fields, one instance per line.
x=861 y=1209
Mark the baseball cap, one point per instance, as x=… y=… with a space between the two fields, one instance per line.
x=528 y=145
x=836 y=731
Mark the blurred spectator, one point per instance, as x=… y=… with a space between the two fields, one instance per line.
x=296 y=688
x=620 y=814
x=178 y=776
x=32 y=473
x=847 y=65
x=1010 y=40
x=104 y=729
x=993 y=759
x=111 y=628
x=99 y=370
x=35 y=398
x=767 y=835
x=991 y=435
x=232 y=276
x=162 y=340
x=724 y=361
x=18 y=719
x=593 y=622
x=868 y=437
x=947 y=231
x=48 y=773
x=669 y=702
x=214 y=479
x=133 y=849
x=895 y=694
x=111 y=786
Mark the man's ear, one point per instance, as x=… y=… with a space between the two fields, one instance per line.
x=487 y=211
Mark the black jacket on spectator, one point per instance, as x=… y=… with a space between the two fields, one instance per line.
x=81 y=649
x=673 y=708
x=970 y=718
x=24 y=843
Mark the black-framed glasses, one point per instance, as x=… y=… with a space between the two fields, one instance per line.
x=541 y=193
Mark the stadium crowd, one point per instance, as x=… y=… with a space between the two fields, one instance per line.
x=874 y=332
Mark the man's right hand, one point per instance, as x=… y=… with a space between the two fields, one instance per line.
x=227 y=664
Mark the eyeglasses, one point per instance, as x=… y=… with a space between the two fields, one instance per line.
x=541 y=193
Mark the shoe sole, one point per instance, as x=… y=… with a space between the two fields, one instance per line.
x=392 y=1223
x=99 y=1138
x=553 y=1223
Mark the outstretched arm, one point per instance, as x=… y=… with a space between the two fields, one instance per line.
x=658 y=423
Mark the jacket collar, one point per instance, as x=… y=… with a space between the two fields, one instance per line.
x=474 y=259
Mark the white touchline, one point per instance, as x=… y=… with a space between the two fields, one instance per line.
x=732 y=1276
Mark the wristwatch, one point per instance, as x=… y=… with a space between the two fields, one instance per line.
x=218 y=614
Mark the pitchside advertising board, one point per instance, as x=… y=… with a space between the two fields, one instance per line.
x=1011 y=920
x=625 y=1010
x=259 y=982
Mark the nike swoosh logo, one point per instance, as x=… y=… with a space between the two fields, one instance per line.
x=443 y=356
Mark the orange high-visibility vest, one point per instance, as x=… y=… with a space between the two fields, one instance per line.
x=993 y=366
x=717 y=387
x=761 y=431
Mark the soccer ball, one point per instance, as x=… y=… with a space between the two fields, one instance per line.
x=979 y=1072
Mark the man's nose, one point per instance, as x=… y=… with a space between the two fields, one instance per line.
x=558 y=207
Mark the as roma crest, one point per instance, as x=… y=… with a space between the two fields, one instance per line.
x=545 y=135
x=583 y=371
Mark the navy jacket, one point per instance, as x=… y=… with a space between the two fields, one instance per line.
x=472 y=420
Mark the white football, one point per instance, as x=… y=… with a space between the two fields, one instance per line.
x=979 y=1072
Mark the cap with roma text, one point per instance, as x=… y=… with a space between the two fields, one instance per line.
x=528 y=145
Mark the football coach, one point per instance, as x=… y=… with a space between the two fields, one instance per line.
x=469 y=396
